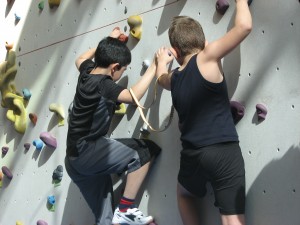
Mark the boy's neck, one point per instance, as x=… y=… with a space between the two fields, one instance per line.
x=187 y=58
x=100 y=70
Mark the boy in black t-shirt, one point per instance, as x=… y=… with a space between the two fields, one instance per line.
x=91 y=155
x=211 y=151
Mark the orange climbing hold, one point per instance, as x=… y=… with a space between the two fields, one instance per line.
x=33 y=118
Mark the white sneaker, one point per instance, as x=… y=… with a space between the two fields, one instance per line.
x=131 y=217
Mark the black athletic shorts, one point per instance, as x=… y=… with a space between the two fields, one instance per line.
x=220 y=164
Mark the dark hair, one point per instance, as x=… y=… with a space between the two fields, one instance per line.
x=111 y=50
x=186 y=35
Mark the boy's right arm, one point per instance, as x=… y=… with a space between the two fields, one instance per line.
x=164 y=57
x=216 y=50
x=89 y=54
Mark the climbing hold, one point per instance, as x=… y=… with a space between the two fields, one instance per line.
x=58 y=173
x=120 y=109
x=26 y=93
x=51 y=200
x=7 y=172
x=19 y=223
x=1 y=178
x=11 y=99
x=38 y=144
x=123 y=38
x=33 y=118
x=48 y=139
x=41 y=222
x=59 y=110
x=17 y=115
x=27 y=146
x=17 y=17
x=237 y=111
x=54 y=3
x=135 y=24
x=144 y=131
x=222 y=6
x=146 y=63
x=4 y=150
x=261 y=111
x=8 y=46
x=125 y=10
x=41 y=5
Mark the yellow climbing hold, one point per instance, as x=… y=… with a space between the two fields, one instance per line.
x=11 y=99
x=54 y=3
x=59 y=110
x=135 y=24
x=121 y=109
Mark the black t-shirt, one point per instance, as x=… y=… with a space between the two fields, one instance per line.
x=203 y=108
x=93 y=107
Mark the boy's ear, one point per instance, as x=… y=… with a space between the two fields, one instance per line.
x=175 y=52
x=115 y=67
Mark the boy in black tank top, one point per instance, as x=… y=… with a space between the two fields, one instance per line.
x=211 y=151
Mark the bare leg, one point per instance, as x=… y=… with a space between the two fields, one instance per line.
x=233 y=219
x=135 y=180
x=187 y=206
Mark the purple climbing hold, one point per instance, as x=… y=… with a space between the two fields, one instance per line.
x=27 y=146
x=4 y=150
x=41 y=222
x=48 y=139
x=237 y=111
x=222 y=6
x=261 y=111
x=7 y=172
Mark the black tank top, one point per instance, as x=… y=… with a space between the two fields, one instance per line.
x=203 y=108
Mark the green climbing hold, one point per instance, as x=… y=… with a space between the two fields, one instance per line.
x=41 y=5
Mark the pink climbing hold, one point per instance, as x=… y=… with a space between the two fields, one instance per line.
x=7 y=172
x=5 y=150
x=41 y=222
x=222 y=6
x=48 y=139
x=261 y=111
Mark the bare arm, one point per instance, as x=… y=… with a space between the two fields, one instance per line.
x=242 y=27
x=89 y=54
x=140 y=88
x=164 y=57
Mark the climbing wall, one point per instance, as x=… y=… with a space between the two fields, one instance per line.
x=41 y=83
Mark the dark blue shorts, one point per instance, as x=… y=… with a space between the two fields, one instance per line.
x=223 y=166
x=91 y=170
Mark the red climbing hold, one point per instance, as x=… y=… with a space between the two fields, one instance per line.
x=33 y=118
